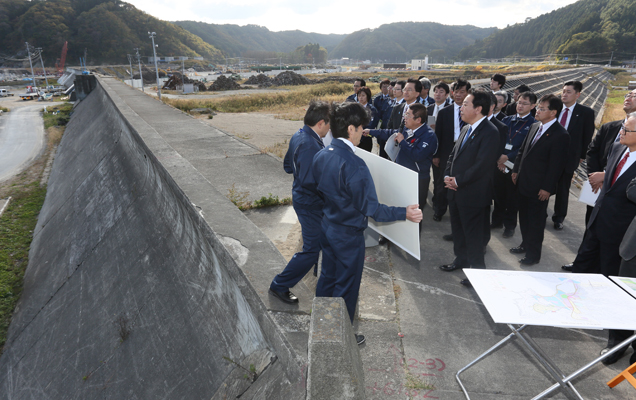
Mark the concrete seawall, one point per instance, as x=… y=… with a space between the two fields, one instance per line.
x=129 y=292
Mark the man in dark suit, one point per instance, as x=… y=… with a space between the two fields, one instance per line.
x=512 y=106
x=502 y=103
x=579 y=121
x=627 y=251
x=538 y=165
x=398 y=108
x=448 y=127
x=613 y=213
x=598 y=153
x=441 y=99
x=357 y=84
x=382 y=101
x=468 y=178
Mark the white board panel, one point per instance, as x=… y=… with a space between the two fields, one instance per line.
x=395 y=186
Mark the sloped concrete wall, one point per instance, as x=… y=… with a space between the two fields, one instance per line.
x=129 y=294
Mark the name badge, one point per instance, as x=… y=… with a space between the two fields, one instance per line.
x=508 y=146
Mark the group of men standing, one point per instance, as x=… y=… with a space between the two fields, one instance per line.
x=480 y=147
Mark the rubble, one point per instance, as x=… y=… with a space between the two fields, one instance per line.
x=223 y=83
x=261 y=80
x=290 y=78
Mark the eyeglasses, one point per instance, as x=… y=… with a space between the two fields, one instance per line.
x=625 y=130
x=408 y=90
x=541 y=109
x=630 y=96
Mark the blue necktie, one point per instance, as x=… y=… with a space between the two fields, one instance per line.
x=470 y=129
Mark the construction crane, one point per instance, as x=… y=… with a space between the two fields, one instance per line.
x=59 y=64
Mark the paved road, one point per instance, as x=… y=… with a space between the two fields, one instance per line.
x=21 y=138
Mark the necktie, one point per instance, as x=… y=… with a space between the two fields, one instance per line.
x=619 y=168
x=564 y=117
x=461 y=121
x=470 y=130
x=537 y=136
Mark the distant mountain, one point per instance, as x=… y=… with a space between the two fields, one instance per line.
x=235 y=40
x=402 y=41
x=107 y=29
x=585 y=27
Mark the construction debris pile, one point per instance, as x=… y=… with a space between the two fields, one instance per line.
x=261 y=80
x=223 y=83
x=290 y=78
x=343 y=79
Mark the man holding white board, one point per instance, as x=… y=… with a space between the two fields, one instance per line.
x=344 y=181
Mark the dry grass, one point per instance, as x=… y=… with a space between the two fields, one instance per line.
x=278 y=149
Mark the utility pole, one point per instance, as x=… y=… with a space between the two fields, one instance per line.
x=85 y=54
x=152 y=35
x=30 y=63
x=577 y=60
x=141 y=77
x=612 y=56
x=39 y=49
x=131 y=74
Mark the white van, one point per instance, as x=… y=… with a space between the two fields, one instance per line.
x=4 y=92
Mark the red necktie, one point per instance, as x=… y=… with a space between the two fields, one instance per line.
x=564 y=117
x=619 y=168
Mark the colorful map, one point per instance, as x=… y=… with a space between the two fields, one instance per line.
x=588 y=301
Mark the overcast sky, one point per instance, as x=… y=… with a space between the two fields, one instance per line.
x=346 y=16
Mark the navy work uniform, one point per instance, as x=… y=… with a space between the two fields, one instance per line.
x=505 y=194
x=308 y=205
x=416 y=153
x=347 y=187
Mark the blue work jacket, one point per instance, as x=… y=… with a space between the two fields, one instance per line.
x=517 y=131
x=303 y=146
x=416 y=151
x=347 y=187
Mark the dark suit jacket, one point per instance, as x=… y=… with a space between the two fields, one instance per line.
x=598 y=150
x=501 y=115
x=396 y=116
x=445 y=131
x=539 y=166
x=503 y=134
x=628 y=245
x=581 y=130
x=613 y=211
x=431 y=109
x=473 y=165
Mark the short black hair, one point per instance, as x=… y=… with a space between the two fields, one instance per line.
x=481 y=98
x=523 y=88
x=385 y=82
x=317 y=111
x=366 y=91
x=345 y=114
x=500 y=79
x=576 y=85
x=442 y=85
x=460 y=83
x=362 y=82
x=401 y=83
x=417 y=83
x=503 y=94
x=530 y=96
x=393 y=83
x=554 y=102
x=419 y=111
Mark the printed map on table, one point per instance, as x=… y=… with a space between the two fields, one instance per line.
x=589 y=301
x=629 y=284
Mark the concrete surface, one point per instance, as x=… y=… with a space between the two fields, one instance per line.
x=335 y=368
x=133 y=288
x=21 y=137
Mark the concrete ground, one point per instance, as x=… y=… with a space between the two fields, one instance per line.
x=422 y=325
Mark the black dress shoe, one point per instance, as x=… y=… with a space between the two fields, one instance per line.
x=518 y=250
x=449 y=267
x=558 y=226
x=496 y=226
x=466 y=283
x=360 y=339
x=288 y=297
x=614 y=357
x=632 y=359
x=448 y=238
x=567 y=267
x=383 y=240
x=528 y=261
x=508 y=233
x=437 y=217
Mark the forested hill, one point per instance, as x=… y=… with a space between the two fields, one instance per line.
x=407 y=40
x=584 y=27
x=235 y=40
x=108 y=29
